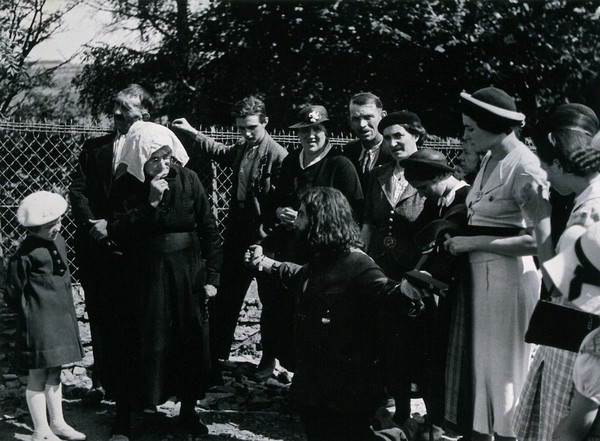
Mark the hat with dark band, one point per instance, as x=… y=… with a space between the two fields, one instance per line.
x=311 y=116
x=492 y=109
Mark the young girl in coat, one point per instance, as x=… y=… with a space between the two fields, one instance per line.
x=39 y=290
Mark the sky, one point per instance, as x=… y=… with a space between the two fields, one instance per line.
x=86 y=25
x=82 y=25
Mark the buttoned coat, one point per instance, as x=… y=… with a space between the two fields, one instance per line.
x=397 y=221
x=354 y=149
x=39 y=289
x=264 y=174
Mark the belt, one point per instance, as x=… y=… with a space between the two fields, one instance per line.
x=476 y=230
x=170 y=242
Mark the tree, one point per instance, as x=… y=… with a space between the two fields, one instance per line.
x=24 y=24
x=416 y=55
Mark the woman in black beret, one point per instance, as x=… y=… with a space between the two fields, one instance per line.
x=391 y=207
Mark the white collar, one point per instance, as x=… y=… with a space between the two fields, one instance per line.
x=446 y=201
x=315 y=160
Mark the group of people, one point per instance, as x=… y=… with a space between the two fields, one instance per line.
x=381 y=270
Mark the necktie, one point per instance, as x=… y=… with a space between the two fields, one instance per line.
x=365 y=161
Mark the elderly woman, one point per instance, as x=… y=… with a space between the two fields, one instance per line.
x=315 y=164
x=504 y=280
x=391 y=208
x=164 y=224
x=564 y=146
x=338 y=383
x=469 y=162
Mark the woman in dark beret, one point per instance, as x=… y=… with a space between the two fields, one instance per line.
x=391 y=207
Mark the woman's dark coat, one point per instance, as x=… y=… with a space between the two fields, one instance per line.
x=338 y=360
x=172 y=252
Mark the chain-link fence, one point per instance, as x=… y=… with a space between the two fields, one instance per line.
x=41 y=156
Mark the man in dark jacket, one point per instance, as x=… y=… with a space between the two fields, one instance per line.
x=256 y=161
x=98 y=259
x=366 y=152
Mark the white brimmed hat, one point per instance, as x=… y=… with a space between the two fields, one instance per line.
x=493 y=109
x=40 y=208
x=576 y=267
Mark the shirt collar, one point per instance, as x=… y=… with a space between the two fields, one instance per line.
x=446 y=201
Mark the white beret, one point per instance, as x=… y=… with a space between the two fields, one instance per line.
x=40 y=208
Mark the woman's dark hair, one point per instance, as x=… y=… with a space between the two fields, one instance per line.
x=565 y=135
x=332 y=229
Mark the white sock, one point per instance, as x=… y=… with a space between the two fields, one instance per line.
x=36 y=402
x=54 y=402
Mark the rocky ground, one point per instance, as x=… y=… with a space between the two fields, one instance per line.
x=241 y=409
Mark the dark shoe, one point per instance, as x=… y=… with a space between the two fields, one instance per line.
x=93 y=397
x=193 y=425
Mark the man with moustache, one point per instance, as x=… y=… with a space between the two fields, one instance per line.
x=100 y=265
x=256 y=162
x=366 y=152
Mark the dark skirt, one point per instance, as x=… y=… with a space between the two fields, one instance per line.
x=171 y=341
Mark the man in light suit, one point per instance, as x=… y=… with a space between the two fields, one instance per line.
x=99 y=260
x=256 y=162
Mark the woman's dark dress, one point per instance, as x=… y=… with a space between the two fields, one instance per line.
x=339 y=379
x=448 y=325
x=172 y=252
x=285 y=244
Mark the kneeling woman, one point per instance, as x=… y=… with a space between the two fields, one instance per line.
x=162 y=221
x=338 y=382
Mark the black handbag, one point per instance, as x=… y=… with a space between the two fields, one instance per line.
x=560 y=326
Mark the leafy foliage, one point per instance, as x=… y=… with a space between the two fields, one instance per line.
x=416 y=55
x=23 y=25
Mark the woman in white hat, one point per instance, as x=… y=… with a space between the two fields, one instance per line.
x=564 y=144
x=505 y=283
x=163 y=222
x=38 y=288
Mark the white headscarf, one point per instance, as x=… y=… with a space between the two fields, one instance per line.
x=143 y=139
